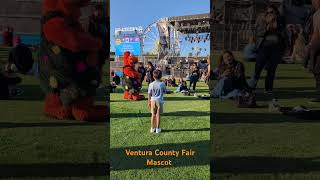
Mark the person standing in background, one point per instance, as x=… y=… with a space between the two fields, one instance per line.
x=269 y=47
x=149 y=74
x=98 y=29
x=5 y=37
x=194 y=77
x=10 y=37
x=142 y=71
x=313 y=48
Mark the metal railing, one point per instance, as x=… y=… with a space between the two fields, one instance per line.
x=232 y=37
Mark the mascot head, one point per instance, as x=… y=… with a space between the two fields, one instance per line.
x=71 y=8
x=129 y=59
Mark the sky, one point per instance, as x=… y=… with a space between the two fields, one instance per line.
x=128 y=13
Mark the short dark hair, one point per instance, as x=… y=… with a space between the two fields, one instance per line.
x=157 y=74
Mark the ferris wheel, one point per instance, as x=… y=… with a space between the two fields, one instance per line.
x=162 y=40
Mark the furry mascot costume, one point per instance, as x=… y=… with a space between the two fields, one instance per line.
x=69 y=73
x=132 y=78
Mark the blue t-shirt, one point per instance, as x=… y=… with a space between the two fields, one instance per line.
x=156 y=90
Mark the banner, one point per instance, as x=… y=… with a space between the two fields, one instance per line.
x=128 y=42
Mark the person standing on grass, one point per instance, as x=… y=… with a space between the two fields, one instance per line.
x=156 y=91
x=269 y=47
x=194 y=77
x=313 y=48
x=142 y=71
x=149 y=73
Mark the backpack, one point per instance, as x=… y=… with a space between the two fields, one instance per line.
x=246 y=100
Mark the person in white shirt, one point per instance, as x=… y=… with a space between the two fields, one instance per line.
x=156 y=91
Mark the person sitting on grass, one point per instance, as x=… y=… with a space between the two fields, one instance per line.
x=171 y=82
x=156 y=91
x=231 y=77
x=115 y=81
x=115 y=78
x=182 y=87
x=20 y=61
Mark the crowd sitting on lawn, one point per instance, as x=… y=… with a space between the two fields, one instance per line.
x=196 y=72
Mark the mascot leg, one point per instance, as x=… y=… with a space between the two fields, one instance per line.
x=127 y=95
x=137 y=96
x=85 y=110
x=53 y=107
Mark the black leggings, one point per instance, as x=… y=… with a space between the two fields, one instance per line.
x=268 y=58
x=194 y=83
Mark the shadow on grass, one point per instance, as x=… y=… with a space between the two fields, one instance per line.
x=183 y=98
x=260 y=165
x=177 y=113
x=34 y=93
x=166 y=98
x=286 y=95
x=293 y=78
x=185 y=130
x=54 y=170
x=4 y=125
x=258 y=118
x=120 y=161
x=30 y=93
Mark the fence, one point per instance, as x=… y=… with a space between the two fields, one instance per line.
x=232 y=37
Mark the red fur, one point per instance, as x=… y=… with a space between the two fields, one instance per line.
x=53 y=107
x=85 y=110
x=58 y=31
x=128 y=62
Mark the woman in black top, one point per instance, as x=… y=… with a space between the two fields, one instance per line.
x=194 y=77
x=149 y=74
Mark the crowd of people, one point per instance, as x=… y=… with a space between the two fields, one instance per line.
x=275 y=42
x=196 y=72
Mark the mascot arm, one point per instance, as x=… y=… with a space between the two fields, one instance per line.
x=132 y=74
x=58 y=32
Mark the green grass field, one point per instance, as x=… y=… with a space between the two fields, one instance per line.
x=33 y=146
x=186 y=125
x=258 y=144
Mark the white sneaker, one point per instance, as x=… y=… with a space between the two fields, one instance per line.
x=152 y=130
x=158 y=130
